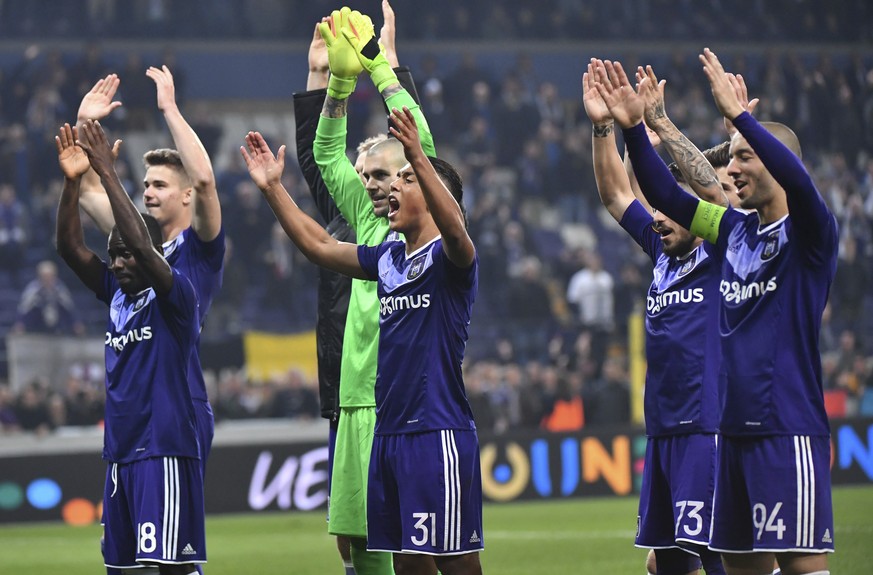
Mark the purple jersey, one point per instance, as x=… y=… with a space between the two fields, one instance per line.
x=425 y=303
x=774 y=286
x=149 y=341
x=203 y=264
x=682 y=340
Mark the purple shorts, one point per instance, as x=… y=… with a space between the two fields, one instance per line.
x=153 y=513
x=676 y=494
x=773 y=494
x=425 y=493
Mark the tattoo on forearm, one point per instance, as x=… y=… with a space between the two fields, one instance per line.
x=690 y=161
x=334 y=108
x=657 y=111
x=391 y=90
x=602 y=130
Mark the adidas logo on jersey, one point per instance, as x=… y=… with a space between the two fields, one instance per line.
x=188 y=550
x=826 y=538
x=474 y=538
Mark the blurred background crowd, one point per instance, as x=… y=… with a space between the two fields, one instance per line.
x=559 y=281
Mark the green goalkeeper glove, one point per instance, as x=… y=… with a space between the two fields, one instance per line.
x=360 y=34
x=341 y=56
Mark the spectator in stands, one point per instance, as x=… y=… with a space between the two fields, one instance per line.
x=293 y=397
x=851 y=285
x=8 y=417
x=13 y=234
x=47 y=306
x=529 y=312
x=590 y=292
x=609 y=402
x=31 y=410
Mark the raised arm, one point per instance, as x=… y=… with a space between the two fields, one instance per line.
x=657 y=183
x=374 y=59
x=307 y=107
x=446 y=212
x=128 y=220
x=698 y=172
x=97 y=104
x=806 y=206
x=319 y=68
x=69 y=238
x=613 y=184
x=329 y=147
x=206 y=219
x=316 y=244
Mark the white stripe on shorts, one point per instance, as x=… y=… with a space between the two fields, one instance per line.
x=805 y=472
x=170 y=531
x=452 y=479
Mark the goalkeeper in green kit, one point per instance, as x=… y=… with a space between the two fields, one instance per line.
x=363 y=201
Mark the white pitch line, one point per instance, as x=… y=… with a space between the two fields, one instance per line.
x=563 y=534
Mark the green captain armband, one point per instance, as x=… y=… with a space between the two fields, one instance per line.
x=706 y=220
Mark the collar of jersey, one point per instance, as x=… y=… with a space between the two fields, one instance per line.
x=771 y=225
x=423 y=248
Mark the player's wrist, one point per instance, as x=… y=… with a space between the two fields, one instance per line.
x=382 y=74
x=603 y=129
x=340 y=88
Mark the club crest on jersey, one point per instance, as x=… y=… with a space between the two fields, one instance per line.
x=687 y=266
x=416 y=267
x=771 y=246
x=140 y=302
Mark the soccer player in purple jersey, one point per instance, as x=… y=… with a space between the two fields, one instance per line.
x=772 y=494
x=681 y=330
x=180 y=192
x=153 y=497
x=425 y=491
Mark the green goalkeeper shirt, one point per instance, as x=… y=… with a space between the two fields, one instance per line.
x=361 y=339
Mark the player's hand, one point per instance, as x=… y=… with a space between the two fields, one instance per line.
x=318 y=60
x=388 y=33
x=92 y=139
x=264 y=168
x=405 y=130
x=359 y=33
x=723 y=90
x=72 y=159
x=625 y=105
x=652 y=93
x=98 y=103
x=595 y=107
x=343 y=62
x=739 y=84
x=163 y=79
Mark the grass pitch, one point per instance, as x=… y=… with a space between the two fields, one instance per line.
x=571 y=536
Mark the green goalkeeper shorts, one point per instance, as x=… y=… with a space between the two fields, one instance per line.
x=351 y=465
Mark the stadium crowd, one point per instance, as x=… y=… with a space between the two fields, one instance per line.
x=559 y=279
x=794 y=20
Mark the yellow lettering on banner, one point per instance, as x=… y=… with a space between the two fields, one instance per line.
x=269 y=354
x=520 y=465
x=615 y=470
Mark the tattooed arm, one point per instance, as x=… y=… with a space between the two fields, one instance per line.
x=698 y=172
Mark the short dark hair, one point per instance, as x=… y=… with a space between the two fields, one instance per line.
x=718 y=156
x=154 y=229
x=452 y=180
x=163 y=157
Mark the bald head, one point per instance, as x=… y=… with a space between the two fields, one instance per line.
x=785 y=135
